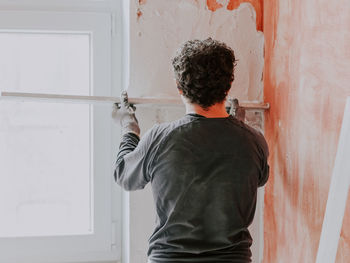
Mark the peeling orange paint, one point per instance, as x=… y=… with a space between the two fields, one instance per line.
x=306 y=83
x=139 y=14
x=213 y=5
x=142 y=2
x=258 y=5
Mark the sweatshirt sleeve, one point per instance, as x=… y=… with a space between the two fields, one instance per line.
x=134 y=156
x=264 y=154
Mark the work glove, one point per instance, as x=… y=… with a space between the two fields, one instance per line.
x=124 y=114
x=236 y=110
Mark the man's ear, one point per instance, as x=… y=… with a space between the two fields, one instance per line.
x=179 y=90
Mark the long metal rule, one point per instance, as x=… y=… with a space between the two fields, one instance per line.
x=21 y=96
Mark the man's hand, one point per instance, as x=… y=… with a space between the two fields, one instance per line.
x=236 y=110
x=125 y=116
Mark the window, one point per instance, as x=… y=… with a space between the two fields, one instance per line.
x=45 y=170
x=55 y=158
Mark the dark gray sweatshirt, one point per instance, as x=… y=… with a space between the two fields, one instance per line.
x=204 y=174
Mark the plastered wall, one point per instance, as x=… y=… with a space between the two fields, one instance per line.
x=158 y=28
x=306 y=81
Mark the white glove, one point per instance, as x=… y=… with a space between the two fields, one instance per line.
x=125 y=116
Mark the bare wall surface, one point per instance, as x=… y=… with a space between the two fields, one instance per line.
x=306 y=81
x=158 y=27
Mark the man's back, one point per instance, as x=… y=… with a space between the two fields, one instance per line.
x=204 y=173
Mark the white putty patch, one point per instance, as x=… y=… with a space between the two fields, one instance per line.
x=159 y=27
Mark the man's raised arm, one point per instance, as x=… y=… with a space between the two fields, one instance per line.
x=130 y=170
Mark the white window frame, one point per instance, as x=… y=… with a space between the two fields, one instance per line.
x=105 y=243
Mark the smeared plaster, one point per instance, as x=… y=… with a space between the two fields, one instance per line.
x=165 y=25
x=337 y=196
x=258 y=6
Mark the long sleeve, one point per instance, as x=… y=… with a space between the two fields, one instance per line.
x=131 y=167
x=265 y=169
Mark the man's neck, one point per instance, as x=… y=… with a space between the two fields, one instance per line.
x=218 y=110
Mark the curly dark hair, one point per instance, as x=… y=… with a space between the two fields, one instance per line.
x=204 y=70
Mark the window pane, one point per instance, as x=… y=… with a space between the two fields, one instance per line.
x=45 y=63
x=45 y=153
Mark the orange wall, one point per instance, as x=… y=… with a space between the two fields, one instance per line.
x=258 y=5
x=306 y=81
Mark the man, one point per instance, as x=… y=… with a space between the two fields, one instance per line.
x=204 y=168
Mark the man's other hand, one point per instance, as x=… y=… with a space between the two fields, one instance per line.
x=124 y=114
